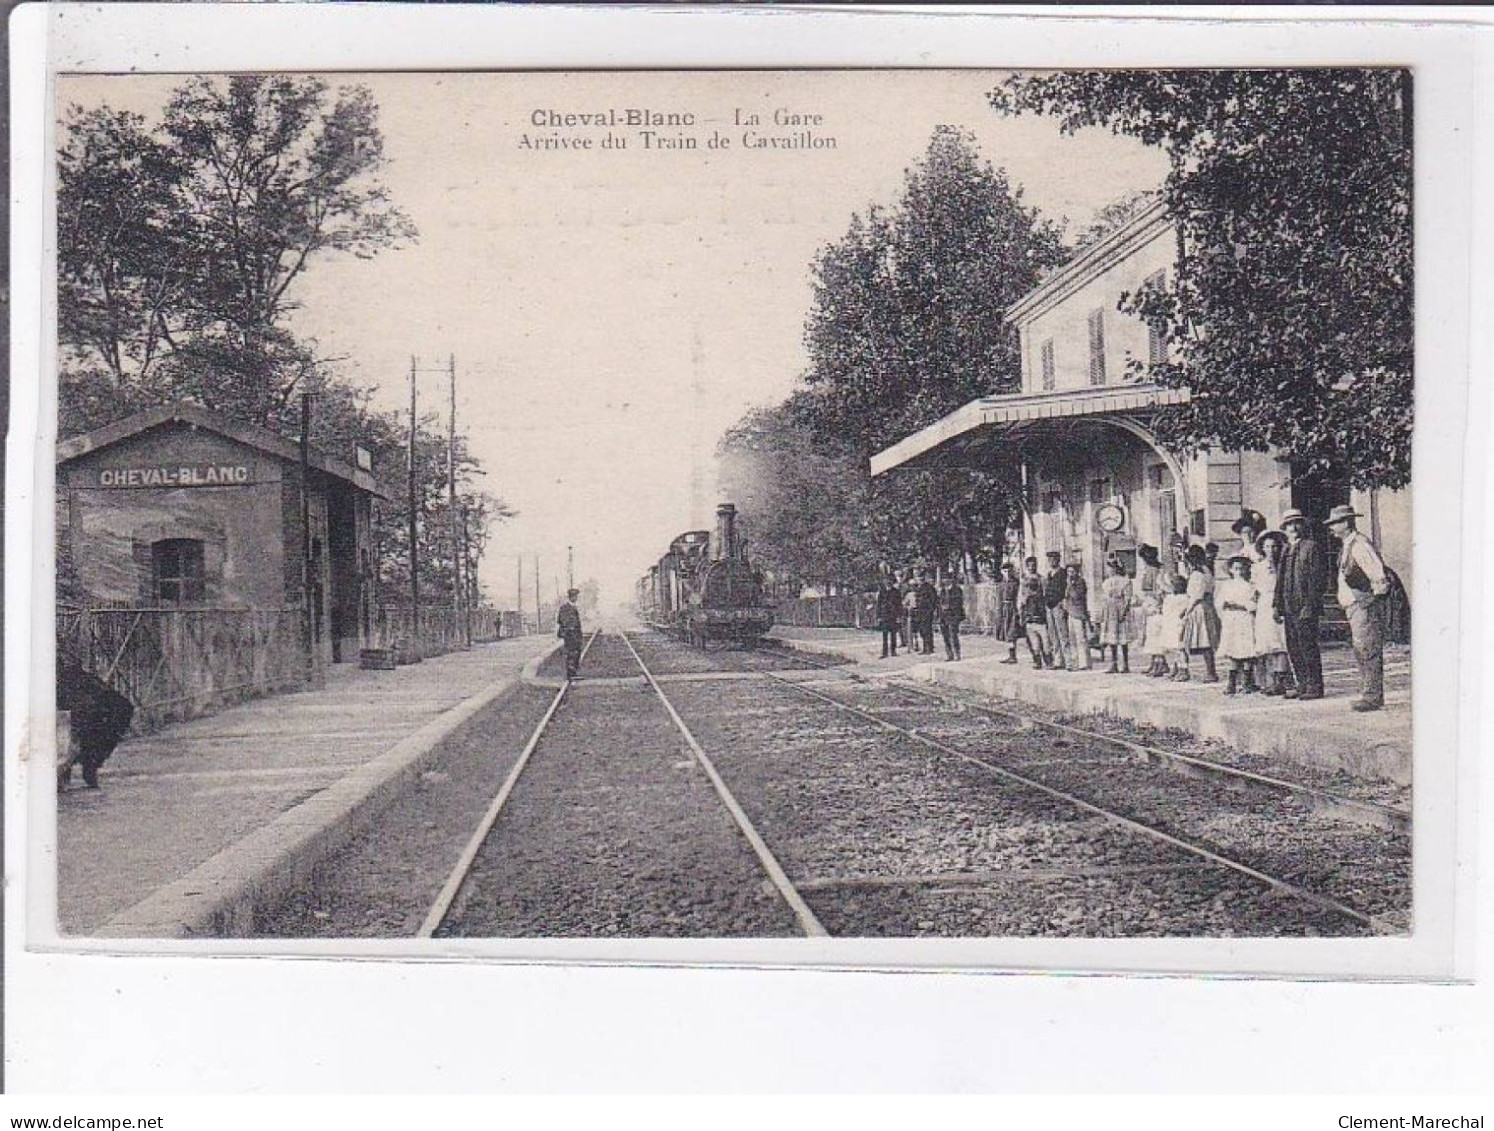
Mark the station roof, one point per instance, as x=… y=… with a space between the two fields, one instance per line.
x=1149 y=222
x=970 y=436
x=261 y=439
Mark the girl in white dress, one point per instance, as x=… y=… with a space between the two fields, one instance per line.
x=1169 y=640
x=1238 y=599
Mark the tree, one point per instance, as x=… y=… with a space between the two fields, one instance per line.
x=801 y=507
x=178 y=247
x=1289 y=317
x=906 y=326
x=178 y=251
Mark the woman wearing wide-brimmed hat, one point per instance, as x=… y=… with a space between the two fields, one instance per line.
x=1201 y=621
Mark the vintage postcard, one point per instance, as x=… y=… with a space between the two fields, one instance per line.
x=955 y=516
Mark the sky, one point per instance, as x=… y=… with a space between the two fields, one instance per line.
x=613 y=311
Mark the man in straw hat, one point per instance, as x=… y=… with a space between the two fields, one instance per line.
x=1362 y=585
x=568 y=628
x=1299 y=603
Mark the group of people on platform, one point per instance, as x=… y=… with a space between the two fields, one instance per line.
x=908 y=606
x=1262 y=618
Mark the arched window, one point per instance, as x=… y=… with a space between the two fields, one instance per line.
x=177 y=570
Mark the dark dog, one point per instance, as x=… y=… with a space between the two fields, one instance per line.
x=100 y=717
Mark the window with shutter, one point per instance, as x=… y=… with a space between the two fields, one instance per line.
x=1156 y=339
x=1050 y=373
x=1097 y=347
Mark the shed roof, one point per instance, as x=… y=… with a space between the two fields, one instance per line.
x=261 y=439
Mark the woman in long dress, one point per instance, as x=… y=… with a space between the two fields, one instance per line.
x=1273 y=669
x=1201 y=622
x=1154 y=589
x=1115 y=625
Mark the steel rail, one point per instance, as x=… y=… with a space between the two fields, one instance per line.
x=808 y=922
x=1322 y=902
x=1383 y=816
x=458 y=876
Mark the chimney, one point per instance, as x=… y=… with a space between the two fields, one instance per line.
x=724 y=544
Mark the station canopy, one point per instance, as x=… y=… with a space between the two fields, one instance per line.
x=999 y=429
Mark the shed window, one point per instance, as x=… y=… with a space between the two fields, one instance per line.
x=176 y=569
x=1050 y=378
x=1097 y=347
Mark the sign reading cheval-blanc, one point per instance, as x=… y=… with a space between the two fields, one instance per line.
x=195 y=475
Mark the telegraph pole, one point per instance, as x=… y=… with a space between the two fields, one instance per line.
x=414 y=547
x=456 y=531
x=519 y=594
x=570 y=567
x=537 y=626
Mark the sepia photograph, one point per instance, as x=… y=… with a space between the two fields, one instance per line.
x=849 y=504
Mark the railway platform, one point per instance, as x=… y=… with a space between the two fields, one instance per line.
x=1322 y=733
x=193 y=818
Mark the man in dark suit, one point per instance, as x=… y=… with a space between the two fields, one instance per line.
x=889 y=613
x=925 y=608
x=1299 y=603
x=568 y=628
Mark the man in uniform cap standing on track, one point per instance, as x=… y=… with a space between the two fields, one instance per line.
x=568 y=622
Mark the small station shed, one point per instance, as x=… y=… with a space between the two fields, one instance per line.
x=179 y=508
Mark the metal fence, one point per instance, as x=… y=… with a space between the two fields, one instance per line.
x=860 y=611
x=441 y=628
x=846 y=611
x=180 y=663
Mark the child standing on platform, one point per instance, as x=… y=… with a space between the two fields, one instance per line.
x=1170 y=629
x=1238 y=601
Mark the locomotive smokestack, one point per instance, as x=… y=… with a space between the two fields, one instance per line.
x=724 y=544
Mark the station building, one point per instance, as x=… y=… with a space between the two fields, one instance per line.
x=1095 y=480
x=181 y=508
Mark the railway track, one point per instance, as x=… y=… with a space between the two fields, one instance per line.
x=461 y=873
x=458 y=876
x=669 y=793
x=1367 y=812
x=1372 y=813
x=1285 y=887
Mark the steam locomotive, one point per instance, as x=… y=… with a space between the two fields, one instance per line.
x=704 y=589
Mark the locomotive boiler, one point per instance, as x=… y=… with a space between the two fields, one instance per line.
x=704 y=588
